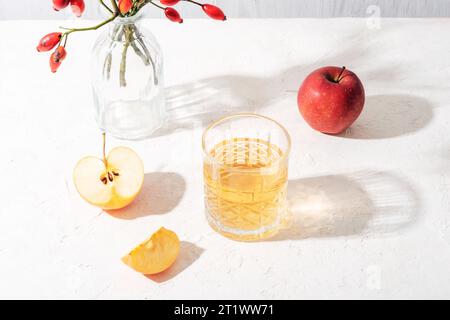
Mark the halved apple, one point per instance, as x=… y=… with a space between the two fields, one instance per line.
x=112 y=183
x=156 y=254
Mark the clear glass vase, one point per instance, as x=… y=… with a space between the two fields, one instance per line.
x=127 y=81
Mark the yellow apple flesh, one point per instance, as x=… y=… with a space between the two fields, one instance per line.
x=156 y=254
x=111 y=184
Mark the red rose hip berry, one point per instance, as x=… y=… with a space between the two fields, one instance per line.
x=173 y=15
x=78 y=7
x=60 y=4
x=57 y=58
x=169 y=2
x=49 y=41
x=125 y=6
x=214 y=12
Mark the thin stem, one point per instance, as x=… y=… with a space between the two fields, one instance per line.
x=65 y=40
x=195 y=2
x=123 y=63
x=104 y=149
x=156 y=5
x=108 y=60
x=340 y=75
x=115 y=7
x=69 y=30
x=140 y=54
x=136 y=7
x=143 y=3
x=107 y=66
x=147 y=54
x=106 y=7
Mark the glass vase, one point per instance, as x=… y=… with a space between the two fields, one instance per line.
x=128 y=83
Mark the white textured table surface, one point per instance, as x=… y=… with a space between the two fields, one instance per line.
x=372 y=206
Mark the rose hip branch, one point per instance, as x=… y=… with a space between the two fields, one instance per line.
x=117 y=9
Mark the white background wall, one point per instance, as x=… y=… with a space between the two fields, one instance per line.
x=41 y=9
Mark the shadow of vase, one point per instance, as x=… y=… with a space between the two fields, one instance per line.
x=198 y=104
x=161 y=193
x=363 y=203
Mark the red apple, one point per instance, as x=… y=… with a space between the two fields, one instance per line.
x=331 y=99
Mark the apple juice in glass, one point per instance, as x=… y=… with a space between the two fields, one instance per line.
x=245 y=176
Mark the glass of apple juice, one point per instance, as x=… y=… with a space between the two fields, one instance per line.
x=245 y=176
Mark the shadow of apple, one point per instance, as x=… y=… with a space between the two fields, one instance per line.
x=189 y=253
x=161 y=193
x=389 y=116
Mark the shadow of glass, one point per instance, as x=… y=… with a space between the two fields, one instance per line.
x=389 y=116
x=161 y=193
x=198 y=104
x=363 y=203
x=189 y=253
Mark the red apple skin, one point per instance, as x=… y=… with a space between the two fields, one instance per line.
x=328 y=105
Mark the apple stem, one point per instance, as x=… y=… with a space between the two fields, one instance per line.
x=104 y=149
x=339 y=78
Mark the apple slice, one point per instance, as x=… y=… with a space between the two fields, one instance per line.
x=155 y=254
x=112 y=183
